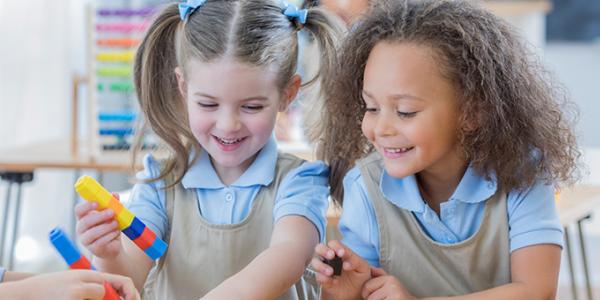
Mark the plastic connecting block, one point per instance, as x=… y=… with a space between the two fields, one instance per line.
x=89 y=189
x=69 y=252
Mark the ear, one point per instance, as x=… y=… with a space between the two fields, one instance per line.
x=290 y=92
x=181 y=84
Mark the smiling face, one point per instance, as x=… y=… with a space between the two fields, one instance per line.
x=232 y=109
x=412 y=110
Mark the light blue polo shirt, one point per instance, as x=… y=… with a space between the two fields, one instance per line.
x=303 y=192
x=532 y=216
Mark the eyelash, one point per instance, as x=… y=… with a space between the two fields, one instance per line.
x=247 y=107
x=403 y=115
x=406 y=115
x=204 y=105
x=253 y=107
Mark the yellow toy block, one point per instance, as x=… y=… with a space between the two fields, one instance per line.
x=115 y=205
x=125 y=217
x=90 y=190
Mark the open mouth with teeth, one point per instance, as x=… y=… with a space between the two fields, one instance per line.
x=394 y=153
x=229 y=141
x=398 y=150
x=229 y=144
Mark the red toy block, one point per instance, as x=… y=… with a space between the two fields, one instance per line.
x=81 y=264
x=146 y=239
x=109 y=292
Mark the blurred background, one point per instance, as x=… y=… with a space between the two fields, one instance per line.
x=67 y=108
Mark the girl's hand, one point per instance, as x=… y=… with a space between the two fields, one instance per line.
x=384 y=286
x=76 y=285
x=98 y=231
x=355 y=272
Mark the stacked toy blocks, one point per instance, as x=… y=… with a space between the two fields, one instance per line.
x=90 y=190
x=76 y=260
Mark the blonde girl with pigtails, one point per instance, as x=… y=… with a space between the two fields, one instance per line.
x=241 y=219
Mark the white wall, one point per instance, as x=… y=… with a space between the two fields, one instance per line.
x=41 y=46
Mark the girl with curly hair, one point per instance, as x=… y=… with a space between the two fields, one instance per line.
x=446 y=139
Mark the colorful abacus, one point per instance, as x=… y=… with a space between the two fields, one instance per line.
x=69 y=252
x=90 y=190
x=116 y=29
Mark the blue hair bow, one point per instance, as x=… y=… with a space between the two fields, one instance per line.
x=293 y=13
x=187 y=8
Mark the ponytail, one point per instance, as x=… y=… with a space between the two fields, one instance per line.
x=160 y=101
x=327 y=29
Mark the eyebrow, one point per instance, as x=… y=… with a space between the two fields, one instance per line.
x=258 y=98
x=398 y=96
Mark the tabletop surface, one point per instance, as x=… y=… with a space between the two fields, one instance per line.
x=57 y=154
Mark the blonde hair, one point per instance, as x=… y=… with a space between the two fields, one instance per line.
x=254 y=32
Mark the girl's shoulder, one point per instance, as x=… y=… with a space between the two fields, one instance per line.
x=540 y=192
x=284 y=156
x=353 y=178
x=372 y=158
x=151 y=167
x=300 y=168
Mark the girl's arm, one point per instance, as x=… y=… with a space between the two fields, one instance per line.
x=277 y=268
x=534 y=272
x=14 y=276
x=68 y=285
x=130 y=262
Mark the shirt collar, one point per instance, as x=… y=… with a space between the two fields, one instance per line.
x=404 y=192
x=202 y=174
x=474 y=188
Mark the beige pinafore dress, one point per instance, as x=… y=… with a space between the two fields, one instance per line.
x=428 y=268
x=201 y=255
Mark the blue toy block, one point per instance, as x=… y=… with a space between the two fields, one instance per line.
x=64 y=246
x=135 y=229
x=157 y=249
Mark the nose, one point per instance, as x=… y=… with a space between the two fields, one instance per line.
x=384 y=124
x=228 y=122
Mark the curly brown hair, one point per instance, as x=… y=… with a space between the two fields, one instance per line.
x=516 y=121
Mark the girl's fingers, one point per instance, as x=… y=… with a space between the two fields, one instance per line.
x=371 y=286
x=124 y=285
x=378 y=295
x=92 y=291
x=94 y=284
x=351 y=260
x=97 y=232
x=324 y=251
x=83 y=208
x=94 y=218
x=376 y=272
x=339 y=248
x=103 y=241
x=323 y=280
x=320 y=267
